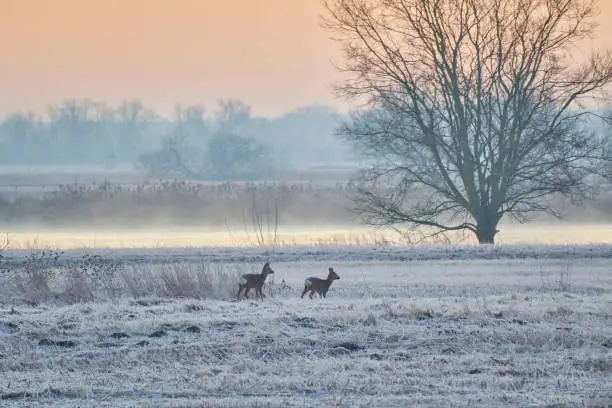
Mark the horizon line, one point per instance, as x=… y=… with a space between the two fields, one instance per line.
x=45 y=113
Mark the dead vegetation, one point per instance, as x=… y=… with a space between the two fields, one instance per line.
x=44 y=277
x=150 y=204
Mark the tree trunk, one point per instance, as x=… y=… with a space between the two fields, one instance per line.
x=486 y=229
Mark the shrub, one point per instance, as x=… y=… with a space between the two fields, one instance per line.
x=43 y=277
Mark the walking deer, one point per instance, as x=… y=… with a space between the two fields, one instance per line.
x=255 y=281
x=320 y=286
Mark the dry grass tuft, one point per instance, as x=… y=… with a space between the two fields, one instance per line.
x=39 y=279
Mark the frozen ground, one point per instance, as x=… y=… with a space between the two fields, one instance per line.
x=435 y=326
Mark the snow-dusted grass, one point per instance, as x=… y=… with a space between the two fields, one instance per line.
x=326 y=253
x=402 y=327
x=44 y=279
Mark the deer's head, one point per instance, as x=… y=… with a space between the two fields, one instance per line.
x=332 y=275
x=266 y=269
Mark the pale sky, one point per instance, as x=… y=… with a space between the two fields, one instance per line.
x=272 y=54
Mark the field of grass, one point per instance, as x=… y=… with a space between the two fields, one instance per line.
x=119 y=292
x=432 y=326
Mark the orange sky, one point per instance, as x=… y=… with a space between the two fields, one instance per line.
x=272 y=54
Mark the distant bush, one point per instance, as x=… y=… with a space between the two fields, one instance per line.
x=222 y=156
x=234 y=157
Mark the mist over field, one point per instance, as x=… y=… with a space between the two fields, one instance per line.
x=87 y=173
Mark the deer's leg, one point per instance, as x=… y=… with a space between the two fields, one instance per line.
x=304 y=292
x=246 y=292
x=311 y=293
x=260 y=290
x=239 y=290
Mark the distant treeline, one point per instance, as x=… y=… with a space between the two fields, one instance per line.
x=90 y=132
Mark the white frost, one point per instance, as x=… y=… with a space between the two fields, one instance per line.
x=450 y=327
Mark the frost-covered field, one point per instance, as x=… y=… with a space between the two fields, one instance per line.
x=439 y=326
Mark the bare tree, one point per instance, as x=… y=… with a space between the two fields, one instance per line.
x=232 y=113
x=477 y=106
x=260 y=218
x=18 y=133
x=608 y=149
x=72 y=126
x=131 y=122
x=203 y=149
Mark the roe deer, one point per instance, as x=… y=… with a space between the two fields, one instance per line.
x=320 y=286
x=255 y=281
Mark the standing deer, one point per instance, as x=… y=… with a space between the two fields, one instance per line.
x=320 y=286
x=255 y=281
